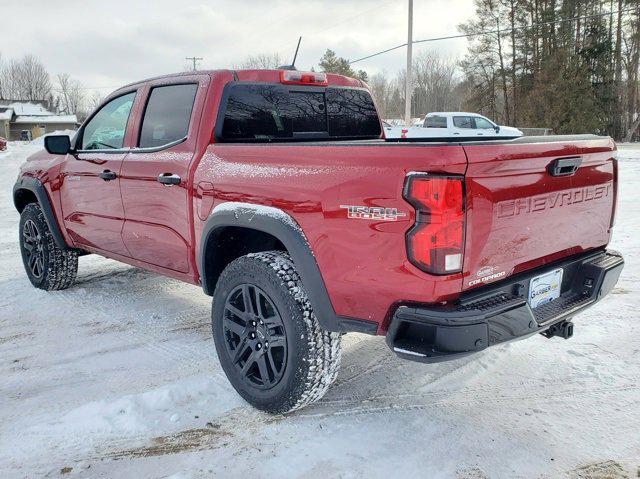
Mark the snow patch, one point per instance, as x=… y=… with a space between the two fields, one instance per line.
x=151 y=409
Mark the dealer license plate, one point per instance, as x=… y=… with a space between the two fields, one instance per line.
x=545 y=288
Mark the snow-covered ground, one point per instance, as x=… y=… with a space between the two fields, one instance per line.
x=118 y=377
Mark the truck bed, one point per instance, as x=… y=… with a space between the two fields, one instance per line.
x=525 y=140
x=315 y=181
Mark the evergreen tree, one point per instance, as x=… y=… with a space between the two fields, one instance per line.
x=331 y=63
x=527 y=57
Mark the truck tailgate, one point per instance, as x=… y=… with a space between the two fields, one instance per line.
x=526 y=208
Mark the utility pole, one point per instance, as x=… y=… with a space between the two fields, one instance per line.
x=194 y=60
x=409 y=85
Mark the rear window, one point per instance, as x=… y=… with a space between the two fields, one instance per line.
x=436 y=122
x=266 y=112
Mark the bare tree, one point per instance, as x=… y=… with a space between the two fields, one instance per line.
x=386 y=93
x=26 y=79
x=71 y=94
x=2 y=93
x=94 y=101
x=632 y=70
x=261 y=61
x=435 y=84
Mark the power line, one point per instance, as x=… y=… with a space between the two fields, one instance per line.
x=194 y=60
x=498 y=31
x=91 y=87
x=341 y=22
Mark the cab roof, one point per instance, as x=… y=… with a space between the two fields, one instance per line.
x=263 y=76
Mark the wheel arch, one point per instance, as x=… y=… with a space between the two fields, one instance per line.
x=282 y=231
x=30 y=190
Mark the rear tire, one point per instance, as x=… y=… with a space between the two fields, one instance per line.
x=301 y=361
x=48 y=266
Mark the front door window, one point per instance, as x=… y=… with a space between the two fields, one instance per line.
x=483 y=124
x=105 y=131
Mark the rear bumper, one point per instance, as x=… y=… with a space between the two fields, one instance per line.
x=500 y=313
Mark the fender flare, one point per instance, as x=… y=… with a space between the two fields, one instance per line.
x=37 y=188
x=282 y=226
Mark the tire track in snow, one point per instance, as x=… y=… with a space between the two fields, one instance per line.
x=239 y=427
x=151 y=329
x=539 y=399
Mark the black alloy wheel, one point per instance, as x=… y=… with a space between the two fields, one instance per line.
x=33 y=248
x=255 y=336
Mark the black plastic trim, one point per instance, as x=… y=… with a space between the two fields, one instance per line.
x=501 y=313
x=451 y=139
x=524 y=140
x=35 y=186
x=565 y=166
x=425 y=142
x=283 y=227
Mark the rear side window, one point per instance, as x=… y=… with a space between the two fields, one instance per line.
x=435 y=122
x=166 y=118
x=266 y=112
x=464 y=122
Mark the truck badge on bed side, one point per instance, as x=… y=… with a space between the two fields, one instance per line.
x=372 y=213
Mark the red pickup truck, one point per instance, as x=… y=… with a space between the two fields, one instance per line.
x=277 y=193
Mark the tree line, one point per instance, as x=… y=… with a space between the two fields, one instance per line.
x=27 y=78
x=569 y=65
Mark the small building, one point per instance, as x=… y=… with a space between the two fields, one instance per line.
x=27 y=120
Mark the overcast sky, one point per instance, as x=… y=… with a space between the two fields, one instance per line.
x=107 y=43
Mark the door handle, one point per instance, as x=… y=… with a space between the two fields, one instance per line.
x=169 y=179
x=108 y=175
x=564 y=166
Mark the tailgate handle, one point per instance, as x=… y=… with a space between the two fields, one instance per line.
x=564 y=166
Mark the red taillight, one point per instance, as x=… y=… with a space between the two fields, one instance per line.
x=293 y=77
x=615 y=191
x=436 y=242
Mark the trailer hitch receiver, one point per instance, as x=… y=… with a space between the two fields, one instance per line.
x=563 y=330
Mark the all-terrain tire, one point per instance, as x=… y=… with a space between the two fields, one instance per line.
x=48 y=266
x=312 y=354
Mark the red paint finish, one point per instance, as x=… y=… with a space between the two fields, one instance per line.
x=92 y=207
x=520 y=217
x=364 y=263
x=157 y=224
x=517 y=216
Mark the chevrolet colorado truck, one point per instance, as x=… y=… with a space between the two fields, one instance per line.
x=278 y=194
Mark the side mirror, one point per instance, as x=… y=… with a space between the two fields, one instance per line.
x=497 y=128
x=57 y=144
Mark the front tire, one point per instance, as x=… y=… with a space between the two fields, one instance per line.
x=48 y=266
x=268 y=339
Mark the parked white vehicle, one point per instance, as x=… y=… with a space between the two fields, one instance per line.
x=453 y=125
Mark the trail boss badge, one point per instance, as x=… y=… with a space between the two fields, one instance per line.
x=374 y=213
